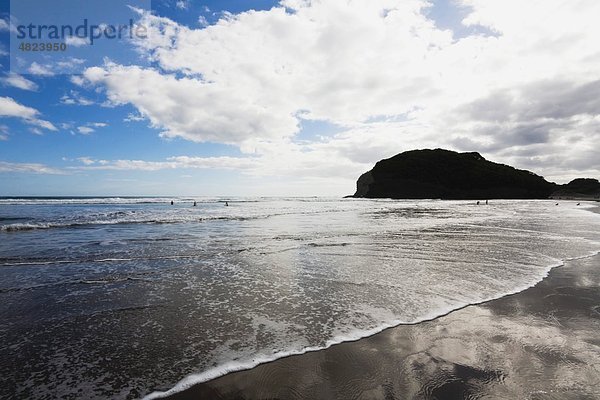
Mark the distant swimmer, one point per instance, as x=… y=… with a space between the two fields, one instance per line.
x=556 y=204
x=195 y=204
x=226 y=204
x=477 y=202
x=171 y=202
x=486 y=202
x=578 y=203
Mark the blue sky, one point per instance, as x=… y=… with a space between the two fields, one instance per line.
x=297 y=97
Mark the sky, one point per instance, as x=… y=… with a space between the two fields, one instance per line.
x=296 y=97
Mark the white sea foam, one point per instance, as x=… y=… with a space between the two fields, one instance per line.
x=354 y=335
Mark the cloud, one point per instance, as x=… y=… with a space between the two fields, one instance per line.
x=10 y=108
x=67 y=65
x=42 y=124
x=381 y=72
x=90 y=127
x=29 y=168
x=39 y=69
x=85 y=130
x=190 y=108
x=4 y=132
x=178 y=162
x=133 y=118
x=182 y=4
x=4 y=25
x=75 y=98
x=77 y=80
x=76 y=41
x=19 y=82
x=203 y=21
x=86 y=160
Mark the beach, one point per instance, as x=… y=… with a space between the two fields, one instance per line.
x=126 y=298
x=542 y=343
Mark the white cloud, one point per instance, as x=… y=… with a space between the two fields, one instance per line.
x=10 y=108
x=4 y=131
x=18 y=81
x=29 y=168
x=384 y=74
x=75 y=98
x=85 y=130
x=90 y=127
x=133 y=118
x=77 y=80
x=68 y=65
x=39 y=69
x=76 y=41
x=4 y=25
x=203 y=21
x=190 y=108
x=42 y=124
x=178 y=162
x=86 y=160
x=181 y=4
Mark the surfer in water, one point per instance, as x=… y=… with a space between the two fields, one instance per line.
x=195 y=204
x=226 y=204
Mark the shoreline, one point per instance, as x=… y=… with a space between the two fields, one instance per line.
x=210 y=375
x=228 y=385
x=287 y=377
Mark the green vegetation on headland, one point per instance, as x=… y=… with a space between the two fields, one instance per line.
x=444 y=174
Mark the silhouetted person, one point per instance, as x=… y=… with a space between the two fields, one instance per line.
x=477 y=202
x=194 y=204
x=171 y=202
x=486 y=202
x=556 y=204
x=226 y=204
x=578 y=203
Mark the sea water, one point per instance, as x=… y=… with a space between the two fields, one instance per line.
x=129 y=297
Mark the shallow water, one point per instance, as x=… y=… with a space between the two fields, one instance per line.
x=122 y=297
x=542 y=343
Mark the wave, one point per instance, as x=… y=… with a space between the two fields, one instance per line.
x=131 y=218
x=84 y=200
x=97 y=260
x=49 y=225
x=234 y=366
x=151 y=200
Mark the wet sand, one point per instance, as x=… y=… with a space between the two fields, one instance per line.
x=542 y=343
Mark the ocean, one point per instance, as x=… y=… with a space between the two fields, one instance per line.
x=134 y=297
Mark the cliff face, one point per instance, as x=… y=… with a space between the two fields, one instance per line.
x=443 y=174
x=363 y=184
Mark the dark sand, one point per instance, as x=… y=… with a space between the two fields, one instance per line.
x=542 y=343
